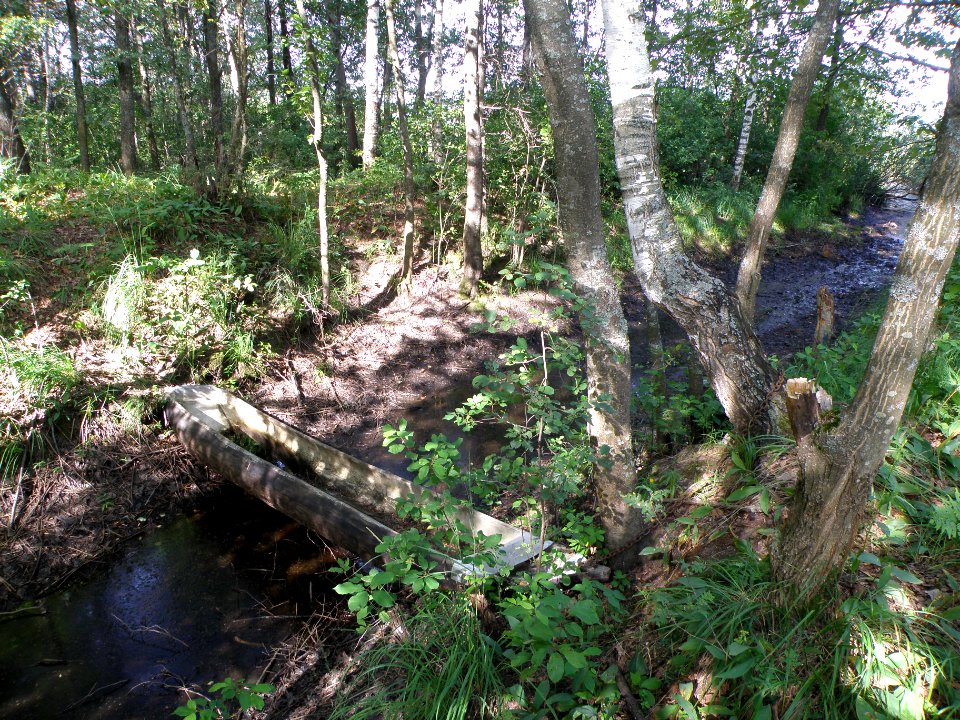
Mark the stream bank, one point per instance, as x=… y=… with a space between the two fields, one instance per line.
x=114 y=647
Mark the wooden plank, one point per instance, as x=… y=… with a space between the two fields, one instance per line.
x=201 y=413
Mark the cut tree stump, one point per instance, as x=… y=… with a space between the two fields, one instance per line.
x=826 y=315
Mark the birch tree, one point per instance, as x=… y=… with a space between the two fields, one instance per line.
x=748 y=276
x=607 y=344
x=473 y=217
x=728 y=348
x=371 y=84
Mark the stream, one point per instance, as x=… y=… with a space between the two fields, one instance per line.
x=206 y=596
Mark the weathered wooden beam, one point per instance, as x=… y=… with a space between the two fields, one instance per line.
x=342 y=488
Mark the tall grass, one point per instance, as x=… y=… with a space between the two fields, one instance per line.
x=439 y=665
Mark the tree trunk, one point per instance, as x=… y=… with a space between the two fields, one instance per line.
x=741 y=155
x=728 y=348
x=434 y=80
x=371 y=84
x=192 y=164
x=83 y=136
x=128 y=146
x=837 y=467
x=831 y=80
x=211 y=54
x=472 y=251
x=271 y=68
x=11 y=142
x=344 y=100
x=406 y=265
x=605 y=329
x=285 y=45
x=386 y=121
x=313 y=70
x=748 y=277
x=146 y=101
x=240 y=74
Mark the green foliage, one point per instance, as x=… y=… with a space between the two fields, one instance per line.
x=552 y=647
x=230 y=699
x=439 y=663
x=561 y=632
x=870 y=659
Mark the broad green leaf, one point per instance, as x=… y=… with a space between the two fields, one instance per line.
x=555 y=666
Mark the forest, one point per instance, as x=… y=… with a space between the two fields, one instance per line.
x=480 y=359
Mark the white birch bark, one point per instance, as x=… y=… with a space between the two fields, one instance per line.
x=371 y=84
x=729 y=350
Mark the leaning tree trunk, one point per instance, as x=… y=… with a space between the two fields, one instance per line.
x=211 y=53
x=748 y=277
x=82 y=132
x=313 y=70
x=179 y=94
x=473 y=218
x=728 y=348
x=578 y=190
x=744 y=141
x=11 y=142
x=837 y=467
x=406 y=264
x=371 y=84
x=128 y=141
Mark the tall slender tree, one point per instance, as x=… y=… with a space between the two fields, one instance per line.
x=285 y=44
x=473 y=216
x=838 y=464
x=146 y=98
x=211 y=56
x=342 y=96
x=371 y=83
x=239 y=72
x=578 y=190
x=11 y=142
x=179 y=93
x=406 y=263
x=83 y=139
x=271 y=68
x=748 y=276
x=128 y=140
x=313 y=74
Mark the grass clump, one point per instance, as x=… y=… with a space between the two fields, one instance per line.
x=733 y=651
x=437 y=663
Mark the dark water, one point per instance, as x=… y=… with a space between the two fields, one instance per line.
x=200 y=599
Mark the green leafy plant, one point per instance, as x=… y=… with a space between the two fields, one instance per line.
x=229 y=698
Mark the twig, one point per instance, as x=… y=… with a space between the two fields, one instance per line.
x=22 y=612
x=632 y=705
x=97 y=692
